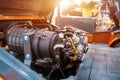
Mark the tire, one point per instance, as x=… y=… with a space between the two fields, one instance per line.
x=116 y=44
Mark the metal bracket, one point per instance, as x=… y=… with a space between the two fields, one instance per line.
x=27 y=49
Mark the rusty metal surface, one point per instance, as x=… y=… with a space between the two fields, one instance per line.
x=101 y=63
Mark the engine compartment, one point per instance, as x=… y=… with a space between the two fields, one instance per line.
x=45 y=48
x=53 y=52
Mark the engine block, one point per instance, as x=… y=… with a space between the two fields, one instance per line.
x=45 y=48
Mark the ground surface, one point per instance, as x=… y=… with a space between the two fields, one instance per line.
x=100 y=63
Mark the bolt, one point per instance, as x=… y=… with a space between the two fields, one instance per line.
x=26 y=38
x=28 y=56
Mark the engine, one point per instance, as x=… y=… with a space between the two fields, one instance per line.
x=46 y=48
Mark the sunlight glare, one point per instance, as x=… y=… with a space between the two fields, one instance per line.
x=65 y=3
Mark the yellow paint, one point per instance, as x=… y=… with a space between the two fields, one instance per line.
x=87 y=12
